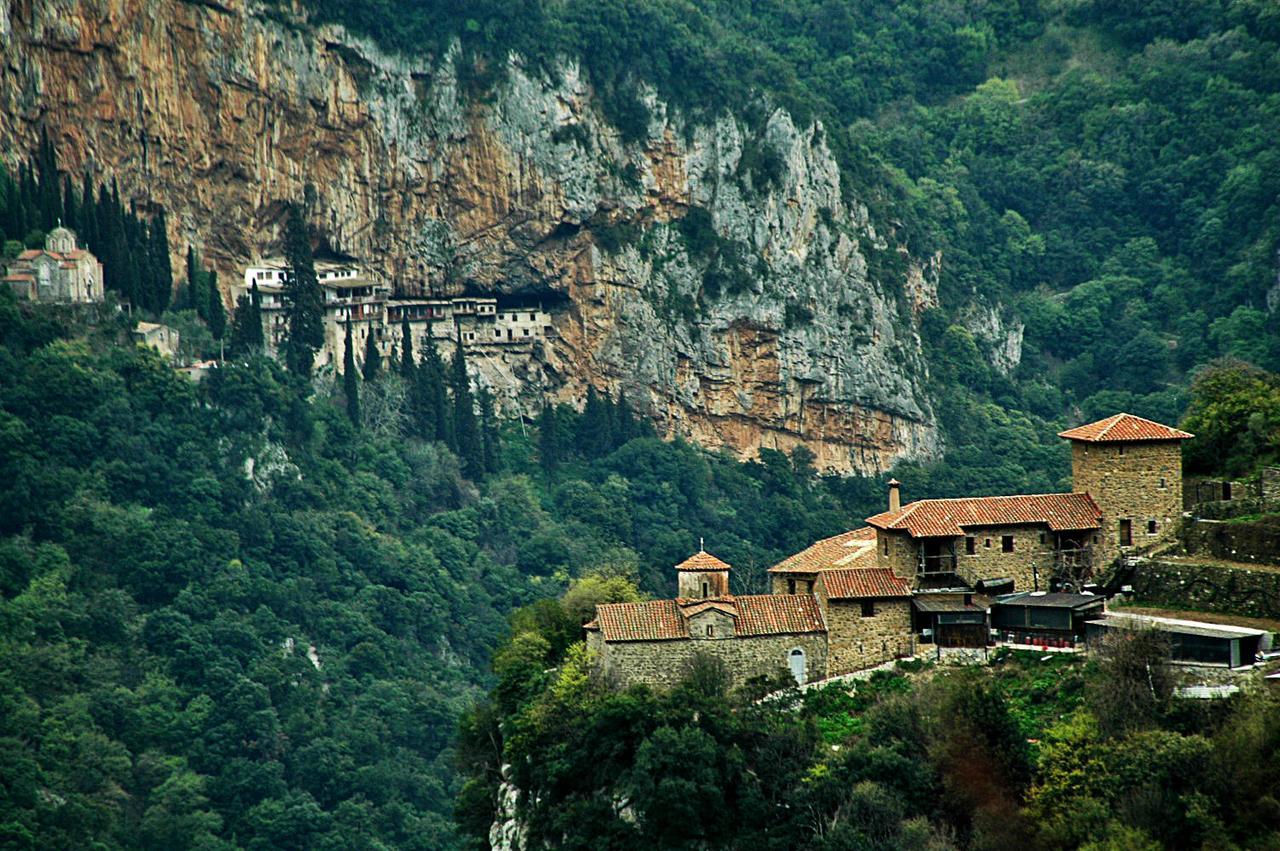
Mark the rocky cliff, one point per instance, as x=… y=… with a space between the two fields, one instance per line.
x=717 y=271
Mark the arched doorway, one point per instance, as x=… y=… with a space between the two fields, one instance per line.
x=797 y=662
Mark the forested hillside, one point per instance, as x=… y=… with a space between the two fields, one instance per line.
x=1104 y=172
x=230 y=616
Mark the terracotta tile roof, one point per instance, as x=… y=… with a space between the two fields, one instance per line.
x=664 y=620
x=848 y=549
x=771 y=614
x=19 y=276
x=947 y=517
x=652 y=620
x=856 y=583
x=1121 y=427
x=702 y=560
x=30 y=254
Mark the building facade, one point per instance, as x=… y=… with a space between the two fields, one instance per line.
x=60 y=273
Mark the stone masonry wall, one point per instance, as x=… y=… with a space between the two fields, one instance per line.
x=1256 y=541
x=1129 y=486
x=1030 y=565
x=855 y=642
x=1236 y=591
x=898 y=552
x=779 y=583
x=663 y=663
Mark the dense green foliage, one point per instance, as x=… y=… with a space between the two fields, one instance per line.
x=1106 y=172
x=1030 y=753
x=170 y=552
x=134 y=251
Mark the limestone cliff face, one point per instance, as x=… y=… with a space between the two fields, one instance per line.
x=717 y=272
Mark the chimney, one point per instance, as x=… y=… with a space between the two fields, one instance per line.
x=895 y=496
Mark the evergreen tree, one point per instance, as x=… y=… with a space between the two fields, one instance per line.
x=89 y=218
x=625 y=422
x=217 y=312
x=70 y=217
x=304 y=302
x=466 y=432
x=432 y=411
x=406 y=352
x=162 y=268
x=595 y=429
x=111 y=250
x=196 y=295
x=246 y=325
x=351 y=380
x=548 y=437
x=372 y=358
x=489 y=436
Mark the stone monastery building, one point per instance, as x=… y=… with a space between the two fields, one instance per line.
x=58 y=273
x=917 y=572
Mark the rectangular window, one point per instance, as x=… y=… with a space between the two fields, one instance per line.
x=791 y=586
x=1120 y=449
x=1151 y=527
x=1006 y=543
x=1126 y=533
x=1162 y=483
x=970 y=545
x=808 y=586
x=868 y=609
x=886 y=546
x=987 y=543
x=1042 y=537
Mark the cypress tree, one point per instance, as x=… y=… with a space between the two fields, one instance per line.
x=625 y=425
x=548 y=437
x=162 y=274
x=489 y=436
x=436 y=419
x=196 y=296
x=466 y=432
x=351 y=380
x=89 y=218
x=246 y=325
x=372 y=358
x=217 y=311
x=70 y=217
x=406 y=351
x=595 y=428
x=304 y=302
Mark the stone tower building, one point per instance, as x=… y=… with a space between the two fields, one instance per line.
x=1132 y=467
x=700 y=576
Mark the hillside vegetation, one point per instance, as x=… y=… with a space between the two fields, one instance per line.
x=1106 y=172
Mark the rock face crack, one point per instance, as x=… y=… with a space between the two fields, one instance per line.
x=738 y=312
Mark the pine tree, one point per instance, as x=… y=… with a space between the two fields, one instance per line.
x=466 y=432
x=489 y=436
x=304 y=302
x=372 y=358
x=217 y=311
x=351 y=380
x=548 y=437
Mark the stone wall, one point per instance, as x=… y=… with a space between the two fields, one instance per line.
x=1255 y=541
x=1212 y=588
x=898 y=552
x=689 y=583
x=1030 y=565
x=1138 y=482
x=663 y=663
x=855 y=642
x=780 y=583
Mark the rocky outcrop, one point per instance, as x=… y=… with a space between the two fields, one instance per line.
x=717 y=271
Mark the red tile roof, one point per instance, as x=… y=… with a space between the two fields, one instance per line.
x=1122 y=427
x=663 y=620
x=848 y=549
x=773 y=614
x=702 y=560
x=927 y=518
x=864 y=582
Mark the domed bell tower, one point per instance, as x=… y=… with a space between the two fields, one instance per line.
x=702 y=575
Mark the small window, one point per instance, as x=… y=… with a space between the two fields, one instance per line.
x=705 y=590
x=808 y=586
x=1151 y=527
x=970 y=545
x=1006 y=543
x=886 y=546
x=1120 y=449
x=711 y=630
x=987 y=543
x=791 y=586
x=1042 y=537
x=1162 y=483
x=1126 y=533
x=868 y=609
